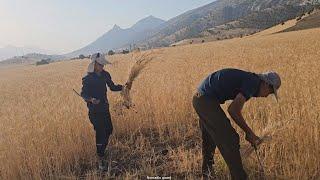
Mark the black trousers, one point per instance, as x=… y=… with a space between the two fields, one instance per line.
x=217 y=132
x=102 y=124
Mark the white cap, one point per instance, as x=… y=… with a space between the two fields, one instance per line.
x=99 y=58
x=273 y=79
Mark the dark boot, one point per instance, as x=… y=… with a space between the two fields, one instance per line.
x=207 y=170
x=102 y=164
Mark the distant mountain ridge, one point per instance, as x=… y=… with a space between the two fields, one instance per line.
x=221 y=19
x=11 y=51
x=246 y=14
x=31 y=58
x=118 y=37
x=148 y=23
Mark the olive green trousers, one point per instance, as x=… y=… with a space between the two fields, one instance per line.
x=217 y=132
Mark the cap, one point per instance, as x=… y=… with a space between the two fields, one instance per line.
x=99 y=58
x=273 y=79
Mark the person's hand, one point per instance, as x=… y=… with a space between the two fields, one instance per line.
x=94 y=101
x=253 y=139
x=128 y=85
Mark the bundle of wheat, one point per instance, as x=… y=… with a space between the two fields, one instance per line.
x=142 y=59
x=268 y=133
x=247 y=150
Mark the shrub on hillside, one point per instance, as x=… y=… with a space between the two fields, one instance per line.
x=42 y=62
x=125 y=51
x=309 y=12
x=110 y=53
x=81 y=56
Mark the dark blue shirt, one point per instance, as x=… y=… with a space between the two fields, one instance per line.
x=226 y=84
x=95 y=86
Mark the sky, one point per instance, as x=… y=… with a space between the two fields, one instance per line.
x=66 y=25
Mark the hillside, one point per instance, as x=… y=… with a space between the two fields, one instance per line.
x=307 y=21
x=162 y=138
x=312 y=21
x=220 y=19
x=223 y=16
x=256 y=21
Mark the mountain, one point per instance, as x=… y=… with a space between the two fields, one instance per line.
x=11 y=51
x=220 y=19
x=227 y=15
x=148 y=23
x=120 y=38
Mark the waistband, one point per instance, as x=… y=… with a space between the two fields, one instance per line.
x=199 y=94
x=203 y=95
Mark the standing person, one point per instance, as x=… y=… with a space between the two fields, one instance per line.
x=239 y=86
x=94 y=91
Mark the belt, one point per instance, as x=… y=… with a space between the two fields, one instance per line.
x=199 y=94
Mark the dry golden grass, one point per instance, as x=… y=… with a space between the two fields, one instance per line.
x=45 y=132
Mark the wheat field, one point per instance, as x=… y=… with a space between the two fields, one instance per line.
x=45 y=132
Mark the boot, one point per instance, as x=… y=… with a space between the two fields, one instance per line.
x=207 y=170
x=102 y=163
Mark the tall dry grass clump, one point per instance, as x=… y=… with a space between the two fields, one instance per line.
x=45 y=132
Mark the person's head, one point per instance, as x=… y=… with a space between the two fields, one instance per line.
x=98 y=61
x=270 y=83
x=98 y=67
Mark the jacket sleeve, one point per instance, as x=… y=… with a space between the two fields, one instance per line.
x=85 y=88
x=111 y=84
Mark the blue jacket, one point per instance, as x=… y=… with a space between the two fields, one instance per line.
x=95 y=86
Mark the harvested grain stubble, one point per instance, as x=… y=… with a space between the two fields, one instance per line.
x=142 y=59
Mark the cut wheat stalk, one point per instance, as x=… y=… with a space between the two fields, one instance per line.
x=268 y=133
x=142 y=59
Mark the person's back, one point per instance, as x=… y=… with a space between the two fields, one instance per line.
x=225 y=84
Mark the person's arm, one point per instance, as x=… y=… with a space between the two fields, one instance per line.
x=111 y=84
x=85 y=89
x=85 y=92
x=234 y=110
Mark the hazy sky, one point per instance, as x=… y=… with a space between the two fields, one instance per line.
x=66 y=25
